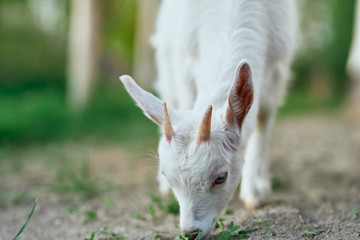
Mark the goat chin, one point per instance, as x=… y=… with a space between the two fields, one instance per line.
x=222 y=69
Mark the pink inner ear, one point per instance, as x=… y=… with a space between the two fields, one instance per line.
x=240 y=96
x=150 y=104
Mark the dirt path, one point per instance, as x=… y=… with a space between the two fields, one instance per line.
x=315 y=161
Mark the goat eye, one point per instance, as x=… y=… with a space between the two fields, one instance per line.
x=221 y=178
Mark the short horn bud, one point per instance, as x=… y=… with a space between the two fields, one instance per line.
x=205 y=127
x=169 y=132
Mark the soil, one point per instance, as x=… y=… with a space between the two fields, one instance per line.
x=315 y=161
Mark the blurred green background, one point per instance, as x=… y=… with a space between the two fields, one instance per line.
x=33 y=46
x=33 y=66
x=49 y=145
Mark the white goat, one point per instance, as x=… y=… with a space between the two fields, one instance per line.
x=229 y=59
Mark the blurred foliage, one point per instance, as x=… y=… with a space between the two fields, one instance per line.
x=33 y=45
x=33 y=67
x=28 y=52
x=40 y=114
x=118 y=26
x=325 y=36
x=80 y=183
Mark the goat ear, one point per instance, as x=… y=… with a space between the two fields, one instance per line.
x=240 y=96
x=151 y=105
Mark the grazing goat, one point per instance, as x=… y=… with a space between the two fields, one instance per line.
x=222 y=71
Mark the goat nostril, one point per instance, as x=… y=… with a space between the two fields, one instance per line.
x=191 y=235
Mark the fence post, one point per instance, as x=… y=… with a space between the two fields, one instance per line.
x=81 y=52
x=144 y=67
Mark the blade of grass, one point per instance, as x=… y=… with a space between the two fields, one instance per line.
x=28 y=219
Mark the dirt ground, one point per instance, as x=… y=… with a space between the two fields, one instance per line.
x=315 y=160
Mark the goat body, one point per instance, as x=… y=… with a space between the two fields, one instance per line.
x=353 y=69
x=233 y=55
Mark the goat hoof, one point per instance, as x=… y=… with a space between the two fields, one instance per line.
x=250 y=206
x=165 y=194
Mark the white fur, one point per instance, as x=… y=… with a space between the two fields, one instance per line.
x=353 y=62
x=199 y=44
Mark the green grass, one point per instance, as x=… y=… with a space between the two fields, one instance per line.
x=103 y=233
x=309 y=234
x=166 y=206
x=71 y=211
x=188 y=235
x=41 y=114
x=260 y=223
x=235 y=231
x=13 y=196
x=38 y=113
x=158 y=237
x=152 y=211
x=219 y=224
x=19 y=197
x=269 y=233
x=27 y=220
x=355 y=213
x=108 y=201
x=302 y=101
x=80 y=183
x=138 y=216
x=277 y=183
x=229 y=211
x=90 y=215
